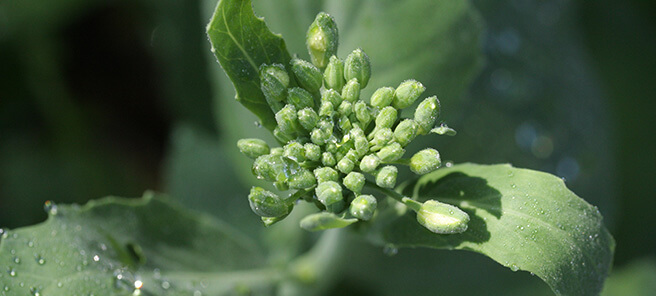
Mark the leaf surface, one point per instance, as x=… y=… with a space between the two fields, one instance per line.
x=241 y=43
x=523 y=219
x=122 y=245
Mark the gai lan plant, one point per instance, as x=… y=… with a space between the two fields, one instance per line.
x=336 y=150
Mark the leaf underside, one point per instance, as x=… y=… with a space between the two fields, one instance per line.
x=241 y=43
x=523 y=219
x=115 y=245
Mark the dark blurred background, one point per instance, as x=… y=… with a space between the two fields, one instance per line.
x=115 y=97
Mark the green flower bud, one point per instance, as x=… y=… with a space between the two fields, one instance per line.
x=266 y=204
x=345 y=108
x=323 y=221
x=325 y=174
x=276 y=151
x=386 y=177
x=295 y=151
x=307 y=75
x=361 y=145
x=282 y=136
x=407 y=93
x=357 y=66
x=328 y=159
x=386 y=117
x=274 y=81
x=322 y=39
x=300 y=98
x=426 y=114
x=391 y=152
x=333 y=76
x=331 y=95
x=331 y=147
x=351 y=91
x=274 y=168
x=382 y=97
x=319 y=136
x=345 y=165
x=352 y=155
x=405 y=132
x=442 y=218
x=354 y=181
x=287 y=120
x=308 y=118
x=329 y=192
x=326 y=109
x=425 y=161
x=253 y=148
x=302 y=180
x=362 y=113
x=312 y=151
x=380 y=138
x=344 y=124
x=369 y=163
x=363 y=207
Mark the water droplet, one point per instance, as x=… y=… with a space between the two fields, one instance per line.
x=11 y=272
x=390 y=250
x=40 y=260
x=514 y=267
x=60 y=284
x=165 y=285
x=96 y=258
x=103 y=246
x=50 y=208
x=3 y=233
x=17 y=260
x=6 y=288
x=513 y=186
x=258 y=124
x=30 y=244
x=198 y=293
x=35 y=291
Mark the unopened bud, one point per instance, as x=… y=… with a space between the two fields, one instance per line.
x=300 y=98
x=362 y=113
x=382 y=97
x=425 y=161
x=308 y=118
x=274 y=81
x=329 y=192
x=312 y=151
x=345 y=108
x=326 y=109
x=266 y=204
x=407 y=93
x=357 y=66
x=333 y=76
x=386 y=177
x=426 y=114
x=391 y=152
x=302 y=179
x=253 y=148
x=328 y=159
x=344 y=124
x=351 y=91
x=381 y=138
x=307 y=75
x=386 y=117
x=405 y=132
x=363 y=207
x=345 y=165
x=369 y=163
x=331 y=95
x=287 y=119
x=442 y=218
x=322 y=39
x=325 y=174
x=281 y=136
x=354 y=181
x=295 y=151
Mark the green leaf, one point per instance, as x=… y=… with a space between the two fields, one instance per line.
x=523 y=219
x=242 y=43
x=112 y=245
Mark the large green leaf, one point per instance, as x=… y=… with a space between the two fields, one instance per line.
x=242 y=43
x=113 y=245
x=523 y=219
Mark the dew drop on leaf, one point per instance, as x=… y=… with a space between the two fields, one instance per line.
x=11 y=272
x=35 y=291
x=17 y=260
x=96 y=258
x=390 y=250
x=50 y=207
x=514 y=267
x=40 y=260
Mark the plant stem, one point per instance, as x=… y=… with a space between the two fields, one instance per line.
x=410 y=203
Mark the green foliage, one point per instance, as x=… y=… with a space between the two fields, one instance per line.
x=523 y=219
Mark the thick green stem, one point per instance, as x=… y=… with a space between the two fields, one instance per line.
x=410 y=203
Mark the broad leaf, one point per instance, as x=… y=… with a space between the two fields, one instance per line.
x=116 y=246
x=523 y=219
x=242 y=43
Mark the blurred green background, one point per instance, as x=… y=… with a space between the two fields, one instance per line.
x=115 y=97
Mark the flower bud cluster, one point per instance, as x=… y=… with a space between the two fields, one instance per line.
x=333 y=141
